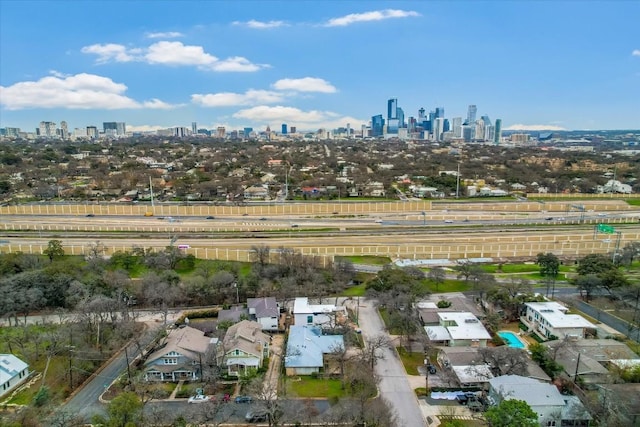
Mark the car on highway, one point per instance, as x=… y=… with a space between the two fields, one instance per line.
x=256 y=416
x=294 y=225
x=243 y=399
x=90 y=215
x=199 y=398
x=448 y=221
x=549 y=218
x=263 y=219
x=210 y=217
x=602 y=214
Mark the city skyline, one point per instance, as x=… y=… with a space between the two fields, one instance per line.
x=319 y=65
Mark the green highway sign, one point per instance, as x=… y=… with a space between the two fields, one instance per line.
x=604 y=228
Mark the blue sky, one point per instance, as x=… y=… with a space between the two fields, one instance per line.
x=318 y=64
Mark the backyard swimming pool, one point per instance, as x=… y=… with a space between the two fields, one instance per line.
x=511 y=339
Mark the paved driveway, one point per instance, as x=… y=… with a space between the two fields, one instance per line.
x=394 y=386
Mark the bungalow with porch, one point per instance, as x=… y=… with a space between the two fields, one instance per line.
x=179 y=356
x=244 y=348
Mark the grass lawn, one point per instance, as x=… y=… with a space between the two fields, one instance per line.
x=354 y=291
x=411 y=361
x=449 y=285
x=369 y=260
x=314 y=387
x=384 y=314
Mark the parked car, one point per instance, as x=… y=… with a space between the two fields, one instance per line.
x=431 y=369
x=243 y=399
x=466 y=397
x=199 y=398
x=256 y=416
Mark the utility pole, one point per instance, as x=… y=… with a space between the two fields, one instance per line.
x=458 y=182
x=126 y=355
x=575 y=375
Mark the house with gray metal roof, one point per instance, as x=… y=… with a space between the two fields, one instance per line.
x=13 y=371
x=543 y=398
x=265 y=311
x=307 y=349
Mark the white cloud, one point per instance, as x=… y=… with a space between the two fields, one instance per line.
x=171 y=53
x=226 y=99
x=261 y=25
x=165 y=35
x=375 y=15
x=176 y=53
x=110 y=52
x=533 y=127
x=636 y=52
x=306 y=84
x=80 y=91
x=303 y=120
x=237 y=64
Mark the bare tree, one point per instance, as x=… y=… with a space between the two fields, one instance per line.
x=504 y=360
x=371 y=352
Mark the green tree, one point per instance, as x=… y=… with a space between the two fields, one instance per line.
x=594 y=264
x=549 y=268
x=437 y=276
x=124 y=410
x=54 y=249
x=512 y=413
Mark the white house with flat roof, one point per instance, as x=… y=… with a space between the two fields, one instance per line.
x=323 y=315
x=13 y=371
x=550 y=321
x=458 y=329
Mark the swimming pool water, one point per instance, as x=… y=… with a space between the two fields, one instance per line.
x=511 y=339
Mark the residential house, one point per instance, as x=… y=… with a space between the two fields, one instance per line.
x=428 y=309
x=179 y=356
x=265 y=311
x=256 y=192
x=13 y=371
x=550 y=321
x=307 y=350
x=244 y=347
x=458 y=329
x=552 y=408
x=469 y=367
x=324 y=315
x=590 y=359
x=233 y=314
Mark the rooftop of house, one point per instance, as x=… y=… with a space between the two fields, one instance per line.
x=246 y=336
x=263 y=307
x=555 y=315
x=534 y=392
x=306 y=346
x=301 y=306
x=185 y=340
x=233 y=313
x=10 y=366
x=466 y=327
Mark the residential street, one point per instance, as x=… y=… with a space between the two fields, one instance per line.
x=394 y=385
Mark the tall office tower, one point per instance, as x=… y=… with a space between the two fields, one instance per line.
x=194 y=128
x=284 y=128
x=121 y=129
x=413 y=124
x=467 y=132
x=12 y=132
x=497 y=133
x=364 y=131
x=92 y=132
x=221 y=132
x=421 y=116
x=456 y=127
x=392 y=109
x=80 y=133
x=293 y=129
x=180 y=132
x=446 y=126
x=471 y=115
x=440 y=113
x=47 y=129
x=110 y=128
x=64 y=130
x=377 y=126
x=438 y=129
x=478 y=133
x=348 y=130
x=400 y=116
x=248 y=132
x=487 y=128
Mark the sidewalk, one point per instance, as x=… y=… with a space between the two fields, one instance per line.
x=272 y=378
